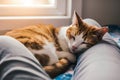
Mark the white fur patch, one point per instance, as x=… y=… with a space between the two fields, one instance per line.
x=63 y=39
x=49 y=50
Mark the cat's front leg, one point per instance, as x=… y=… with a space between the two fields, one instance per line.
x=62 y=54
x=56 y=69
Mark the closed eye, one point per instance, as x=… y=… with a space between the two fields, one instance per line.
x=86 y=43
x=73 y=38
x=83 y=43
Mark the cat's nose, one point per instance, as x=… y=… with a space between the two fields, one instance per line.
x=74 y=48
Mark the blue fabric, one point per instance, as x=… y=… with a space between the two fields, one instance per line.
x=66 y=76
x=114 y=31
x=116 y=38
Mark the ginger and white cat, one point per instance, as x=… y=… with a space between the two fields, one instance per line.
x=55 y=47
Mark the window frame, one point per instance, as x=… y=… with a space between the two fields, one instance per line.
x=55 y=11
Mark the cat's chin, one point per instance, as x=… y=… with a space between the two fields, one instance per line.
x=71 y=51
x=80 y=51
x=77 y=51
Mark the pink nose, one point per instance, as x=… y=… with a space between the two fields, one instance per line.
x=74 y=48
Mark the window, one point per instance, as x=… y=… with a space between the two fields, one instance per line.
x=12 y=9
x=26 y=2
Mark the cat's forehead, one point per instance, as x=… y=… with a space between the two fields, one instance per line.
x=73 y=30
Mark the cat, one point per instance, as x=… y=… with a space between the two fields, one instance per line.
x=56 y=47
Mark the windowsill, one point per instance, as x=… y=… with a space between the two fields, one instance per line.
x=35 y=17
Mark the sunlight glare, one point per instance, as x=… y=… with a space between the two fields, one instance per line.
x=27 y=2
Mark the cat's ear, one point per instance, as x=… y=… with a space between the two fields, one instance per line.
x=103 y=30
x=76 y=19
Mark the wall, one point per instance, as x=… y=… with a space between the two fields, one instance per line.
x=104 y=11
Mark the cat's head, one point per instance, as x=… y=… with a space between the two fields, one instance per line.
x=81 y=36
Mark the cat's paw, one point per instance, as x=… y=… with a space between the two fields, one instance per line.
x=56 y=69
x=50 y=71
x=48 y=68
x=71 y=57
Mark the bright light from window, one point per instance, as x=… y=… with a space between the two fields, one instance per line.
x=27 y=2
x=35 y=9
x=51 y=1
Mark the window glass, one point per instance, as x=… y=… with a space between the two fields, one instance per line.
x=26 y=2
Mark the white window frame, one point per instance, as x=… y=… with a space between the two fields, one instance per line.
x=40 y=12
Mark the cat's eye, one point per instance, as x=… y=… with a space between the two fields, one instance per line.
x=85 y=43
x=73 y=37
